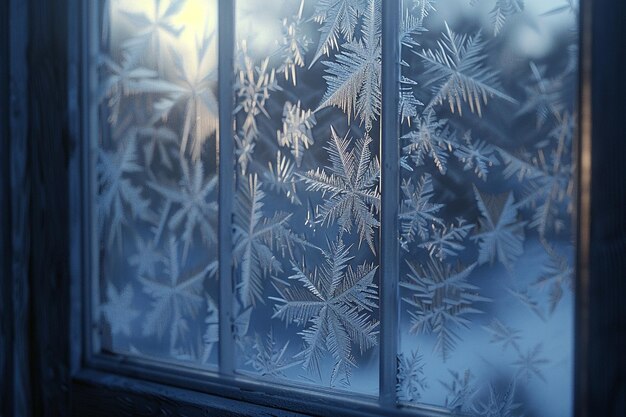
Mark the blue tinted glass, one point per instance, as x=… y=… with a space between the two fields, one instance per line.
x=156 y=179
x=488 y=118
x=306 y=218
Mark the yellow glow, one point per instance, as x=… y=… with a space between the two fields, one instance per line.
x=197 y=19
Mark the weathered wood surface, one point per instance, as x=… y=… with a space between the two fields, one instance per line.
x=19 y=203
x=607 y=337
x=601 y=366
x=6 y=299
x=49 y=214
x=34 y=176
x=107 y=395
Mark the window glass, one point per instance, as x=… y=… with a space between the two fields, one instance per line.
x=486 y=234
x=156 y=160
x=306 y=221
x=487 y=119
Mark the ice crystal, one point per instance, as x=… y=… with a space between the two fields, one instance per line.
x=350 y=188
x=119 y=199
x=193 y=93
x=411 y=379
x=118 y=310
x=430 y=138
x=501 y=234
x=529 y=364
x=334 y=304
x=441 y=299
x=255 y=238
x=296 y=133
x=294 y=46
x=417 y=212
x=177 y=298
x=190 y=205
x=338 y=19
x=353 y=77
x=456 y=72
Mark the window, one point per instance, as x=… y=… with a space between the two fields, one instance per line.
x=400 y=245
x=48 y=258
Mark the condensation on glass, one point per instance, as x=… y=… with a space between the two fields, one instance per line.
x=487 y=118
x=488 y=92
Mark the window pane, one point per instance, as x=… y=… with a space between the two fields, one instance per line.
x=156 y=179
x=488 y=118
x=306 y=208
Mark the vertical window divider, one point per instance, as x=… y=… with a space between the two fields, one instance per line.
x=226 y=173
x=389 y=183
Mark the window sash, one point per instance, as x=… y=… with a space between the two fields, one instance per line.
x=224 y=382
x=388 y=235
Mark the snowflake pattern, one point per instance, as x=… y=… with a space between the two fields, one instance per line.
x=350 y=187
x=486 y=184
x=335 y=306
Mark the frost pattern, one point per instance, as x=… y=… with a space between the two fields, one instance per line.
x=306 y=224
x=156 y=181
x=350 y=187
x=487 y=127
x=334 y=307
x=486 y=204
x=353 y=78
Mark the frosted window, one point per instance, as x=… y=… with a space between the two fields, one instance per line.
x=488 y=117
x=156 y=179
x=306 y=209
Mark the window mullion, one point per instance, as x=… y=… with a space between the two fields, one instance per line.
x=389 y=257
x=226 y=33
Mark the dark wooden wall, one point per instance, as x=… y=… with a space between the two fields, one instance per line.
x=15 y=210
x=33 y=202
x=602 y=372
x=48 y=153
x=6 y=304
